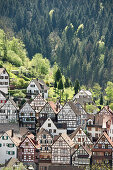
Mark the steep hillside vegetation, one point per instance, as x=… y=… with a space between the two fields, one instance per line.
x=78 y=35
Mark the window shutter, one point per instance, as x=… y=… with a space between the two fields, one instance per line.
x=0 y=145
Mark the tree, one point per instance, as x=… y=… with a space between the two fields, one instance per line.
x=77 y=86
x=55 y=85
x=96 y=90
x=58 y=75
x=101 y=99
x=109 y=91
x=67 y=83
x=60 y=86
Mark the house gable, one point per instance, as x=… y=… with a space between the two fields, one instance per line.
x=103 y=141
x=27 y=108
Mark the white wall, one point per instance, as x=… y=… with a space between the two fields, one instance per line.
x=52 y=128
x=4 y=87
x=4 y=156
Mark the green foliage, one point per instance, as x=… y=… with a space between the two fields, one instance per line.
x=96 y=90
x=79 y=39
x=101 y=99
x=58 y=75
x=100 y=166
x=20 y=167
x=55 y=84
x=67 y=83
x=109 y=91
x=60 y=85
x=77 y=86
x=19 y=94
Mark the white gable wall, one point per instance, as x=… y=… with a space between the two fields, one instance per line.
x=50 y=126
x=5 y=151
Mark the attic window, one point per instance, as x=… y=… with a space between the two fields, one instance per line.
x=49 y=124
x=3 y=71
x=26 y=143
x=32 y=85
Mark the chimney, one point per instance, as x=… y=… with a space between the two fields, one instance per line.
x=12 y=133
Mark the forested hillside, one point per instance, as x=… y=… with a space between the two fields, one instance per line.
x=78 y=35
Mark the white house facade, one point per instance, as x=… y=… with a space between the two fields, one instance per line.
x=4 y=80
x=8 y=146
x=50 y=126
x=36 y=87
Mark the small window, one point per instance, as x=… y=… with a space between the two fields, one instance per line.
x=99 y=146
x=26 y=143
x=96 y=129
x=31 y=114
x=89 y=128
x=106 y=146
x=79 y=139
x=44 y=136
x=49 y=124
x=54 y=130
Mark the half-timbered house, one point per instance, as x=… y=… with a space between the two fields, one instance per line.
x=46 y=140
x=46 y=112
x=68 y=115
x=62 y=150
x=83 y=96
x=79 y=137
x=28 y=150
x=38 y=103
x=36 y=87
x=82 y=157
x=50 y=126
x=103 y=150
x=8 y=146
x=9 y=112
x=101 y=122
x=27 y=117
x=4 y=80
x=81 y=116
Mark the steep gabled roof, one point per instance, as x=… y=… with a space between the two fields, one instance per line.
x=67 y=140
x=75 y=132
x=47 y=103
x=40 y=84
x=30 y=138
x=12 y=101
x=27 y=102
x=83 y=93
x=74 y=108
x=106 y=136
x=42 y=130
x=14 y=139
x=38 y=96
x=86 y=148
x=2 y=69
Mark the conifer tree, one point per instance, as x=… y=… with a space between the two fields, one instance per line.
x=101 y=99
x=58 y=75
x=77 y=86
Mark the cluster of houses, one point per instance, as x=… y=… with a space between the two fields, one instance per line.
x=46 y=135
